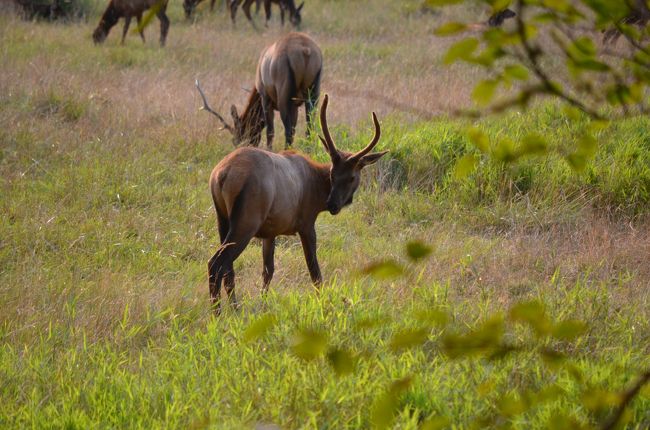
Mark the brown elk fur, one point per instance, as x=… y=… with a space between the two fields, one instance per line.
x=128 y=9
x=258 y=193
x=288 y=75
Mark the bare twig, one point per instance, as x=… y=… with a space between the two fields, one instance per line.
x=628 y=396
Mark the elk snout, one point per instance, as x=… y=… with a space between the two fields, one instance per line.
x=333 y=207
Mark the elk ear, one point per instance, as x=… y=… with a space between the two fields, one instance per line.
x=369 y=159
x=300 y=7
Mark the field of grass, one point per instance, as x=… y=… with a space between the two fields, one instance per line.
x=107 y=224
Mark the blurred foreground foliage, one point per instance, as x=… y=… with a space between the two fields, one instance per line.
x=592 y=56
x=548 y=339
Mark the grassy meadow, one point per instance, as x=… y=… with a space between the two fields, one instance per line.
x=107 y=225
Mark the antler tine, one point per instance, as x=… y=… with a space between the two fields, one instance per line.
x=207 y=107
x=372 y=144
x=329 y=143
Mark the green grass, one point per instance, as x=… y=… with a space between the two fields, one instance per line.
x=107 y=225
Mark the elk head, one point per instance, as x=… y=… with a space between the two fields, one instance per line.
x=188 y=7
x=245 y=128
x=295 y=17
x=345 y=173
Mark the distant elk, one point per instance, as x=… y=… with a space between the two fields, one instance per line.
x=289 y=5
x=258 y=193
x=128 y=9
x=497 y=19
x=639 y=16
x=42 y=9
x=288 y=75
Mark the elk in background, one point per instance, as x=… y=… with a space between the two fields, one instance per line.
x=496 y=20
x=258 y=193
x=288 y=74
x=639 y=16
x=289 y=5
x=129 y=8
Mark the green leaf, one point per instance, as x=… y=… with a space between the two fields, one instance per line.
x=516 y=72
x=309 y=344
x=432 y=316
x=435 y=423
x=384 y=270
x=385 y=406
x=408 y=338
x=533 y=144
x=417 y=250
x=532 y=313
x=511 y=405
x=342 y=361
x=484 y=340
x=465 y=165
x=259 y=327
x=479 y=139
x=568 y=330
x=461 y=50
x=597 y=400
x=450 y=28
x=484 y=91
x=153 y=11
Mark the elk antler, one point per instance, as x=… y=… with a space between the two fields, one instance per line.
x=327 y=140
x=372 y=144
x=207 y=107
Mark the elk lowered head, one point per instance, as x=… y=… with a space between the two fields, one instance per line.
x=188 y=7
x=345 y=173
x=247 y=127
x=294 y=16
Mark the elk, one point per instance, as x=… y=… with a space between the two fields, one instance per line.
x=258 y=193
x=288 y=74
x=294 y=12
x=639 y=16
x=496 y=20
x=128 y=9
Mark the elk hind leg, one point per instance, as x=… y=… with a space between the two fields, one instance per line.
x=310 y=104
x=289 y=117
x=140 y=27
x=164 y=25
x=127 y=22
x=268 y=251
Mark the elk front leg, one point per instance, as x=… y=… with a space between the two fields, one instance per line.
x=268 y=251
x=308 y=240
x=127 y=22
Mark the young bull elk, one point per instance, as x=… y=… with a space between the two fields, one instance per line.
x=128 y=9
x=288 y=74
x=258 y=193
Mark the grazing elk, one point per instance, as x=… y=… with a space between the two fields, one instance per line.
x=128 y=9
x=496 y=20
x=639 y=16
x=258 y=193
x=288 y=74
x=289 y=5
